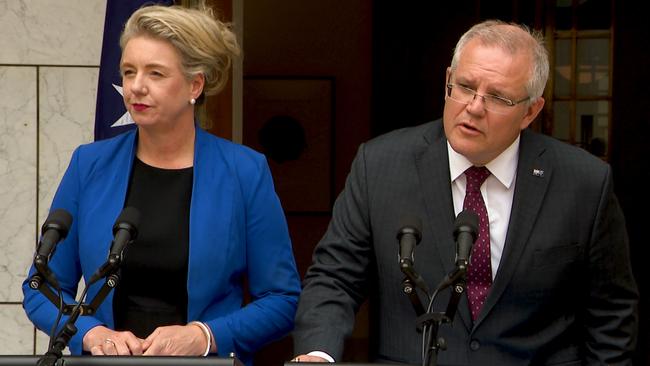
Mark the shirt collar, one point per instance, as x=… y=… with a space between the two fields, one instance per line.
x=503 y=167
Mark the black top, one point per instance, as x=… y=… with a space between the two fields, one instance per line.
x=153 y=288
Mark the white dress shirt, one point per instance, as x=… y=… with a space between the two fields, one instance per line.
x=497 y=191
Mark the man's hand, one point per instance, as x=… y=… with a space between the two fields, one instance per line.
x=307 y=358
x=104 y=341
x=175 y=340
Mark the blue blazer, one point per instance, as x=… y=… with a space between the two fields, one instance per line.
x=237 y=230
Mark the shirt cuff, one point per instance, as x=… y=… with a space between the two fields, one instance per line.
x=321 y=355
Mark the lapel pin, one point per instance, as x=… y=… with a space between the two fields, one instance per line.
x=538 y=172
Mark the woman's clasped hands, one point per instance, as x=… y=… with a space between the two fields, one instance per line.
x=173 y=340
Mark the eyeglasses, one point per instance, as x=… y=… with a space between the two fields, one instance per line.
x=492 y=103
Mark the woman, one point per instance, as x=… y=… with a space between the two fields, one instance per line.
x=209 y=215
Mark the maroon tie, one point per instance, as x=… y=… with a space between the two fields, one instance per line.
x=479 y=273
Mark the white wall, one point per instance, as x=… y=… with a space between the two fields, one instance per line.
x=49 y=63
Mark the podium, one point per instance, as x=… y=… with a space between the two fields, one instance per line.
x=123 y=360
x=343 y=364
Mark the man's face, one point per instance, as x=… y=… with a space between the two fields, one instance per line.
x=474 y=132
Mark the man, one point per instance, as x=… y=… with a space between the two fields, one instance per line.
x=549 y=280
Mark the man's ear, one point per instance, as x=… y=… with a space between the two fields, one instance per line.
x=532 y=112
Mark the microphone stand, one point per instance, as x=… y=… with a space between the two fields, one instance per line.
x=39 y=282
x=410 y=291
x=465 y=233
x=411 y=283
x=431 y=321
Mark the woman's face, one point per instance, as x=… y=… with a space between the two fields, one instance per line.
x=156 y=92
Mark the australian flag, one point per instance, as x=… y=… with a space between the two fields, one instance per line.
x=111 y=117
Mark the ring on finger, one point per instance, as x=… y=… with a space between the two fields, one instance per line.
x=109 y=341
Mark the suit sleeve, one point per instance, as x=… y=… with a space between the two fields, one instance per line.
x=273 y=279
x=611 y=311
x=336 y=283
x=64 y=264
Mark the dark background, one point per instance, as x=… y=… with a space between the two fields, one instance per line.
x=388 y=60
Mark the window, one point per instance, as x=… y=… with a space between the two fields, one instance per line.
x=579 y=38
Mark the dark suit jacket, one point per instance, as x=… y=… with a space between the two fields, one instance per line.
x=563 y=294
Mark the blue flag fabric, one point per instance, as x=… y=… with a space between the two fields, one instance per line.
x=111 y=117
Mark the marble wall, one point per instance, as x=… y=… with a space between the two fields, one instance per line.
x=49 y=63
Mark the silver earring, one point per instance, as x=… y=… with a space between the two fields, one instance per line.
x=192 y=101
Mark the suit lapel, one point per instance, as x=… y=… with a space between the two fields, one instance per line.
x=533 y=176
x=432 y=164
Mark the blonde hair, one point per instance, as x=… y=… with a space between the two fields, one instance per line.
x=513 y=38
x=206 y=45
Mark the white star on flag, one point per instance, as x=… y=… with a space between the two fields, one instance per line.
x=126 y=117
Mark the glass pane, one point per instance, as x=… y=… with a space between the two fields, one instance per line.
x=563 y=14
x=592 y=128
x=593 y=14
x=561 y=120
x=562 y=67
x=593 y=67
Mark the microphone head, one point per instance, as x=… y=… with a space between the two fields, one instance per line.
x=466 y=221
x=129 y=219
x=410 y=225
x=58 y=219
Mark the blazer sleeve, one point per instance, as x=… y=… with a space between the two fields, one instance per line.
x=64 y=264
x=273 y=279
x=612 y=306
x=336 y=283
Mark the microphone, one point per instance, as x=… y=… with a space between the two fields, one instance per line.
x=54 y=229
x=409 y=237
x=465 y=234
x=125 y=231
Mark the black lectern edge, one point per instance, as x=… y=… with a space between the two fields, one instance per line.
x=123 y=360
x=343 y=364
